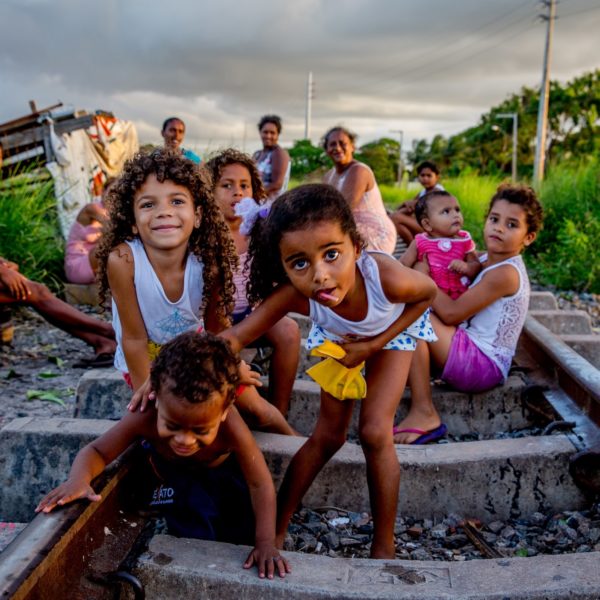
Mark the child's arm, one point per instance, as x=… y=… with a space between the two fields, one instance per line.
x=470 y=266
x=400 y=285
x=500 y=282
x=262 y=494
x=92 y=460
x=16 y=284
x=120 y=271
x=283 y=300
x=409 y=258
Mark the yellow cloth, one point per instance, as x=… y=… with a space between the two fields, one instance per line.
x=153 y=350
x=336 y=379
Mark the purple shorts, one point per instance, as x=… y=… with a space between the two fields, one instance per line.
x=467 y=368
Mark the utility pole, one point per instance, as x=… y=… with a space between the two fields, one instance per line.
x=400 y=133
x=542 y=122
x=309 y=98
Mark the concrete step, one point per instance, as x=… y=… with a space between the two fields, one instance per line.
x=542 y=301
x=487 y=480
x=181 y=569
x=499 y=409
x=587 y=345
x=103 y=394
x=564 y=322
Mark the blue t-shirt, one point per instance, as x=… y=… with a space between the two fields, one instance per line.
x=191 y=156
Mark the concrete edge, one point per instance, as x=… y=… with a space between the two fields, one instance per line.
x=183 y=568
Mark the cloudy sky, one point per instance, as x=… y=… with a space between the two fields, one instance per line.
x=420 y=66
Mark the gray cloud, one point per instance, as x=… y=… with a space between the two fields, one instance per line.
x=425 y=67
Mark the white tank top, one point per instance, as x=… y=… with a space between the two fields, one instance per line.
x=381 y=312
x=163 y=319
x=495 y=330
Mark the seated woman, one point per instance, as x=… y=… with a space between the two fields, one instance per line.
x=478 y=332
x=356 y=182
x=17 y=289
x=80 y=254
x=273 y=162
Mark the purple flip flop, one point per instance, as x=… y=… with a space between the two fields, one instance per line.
x=425 y=437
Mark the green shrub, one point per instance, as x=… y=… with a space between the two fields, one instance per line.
x=567 y=252
x=29 y=231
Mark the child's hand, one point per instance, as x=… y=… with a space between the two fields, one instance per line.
x=356 y=352
x=267 y=560
x=141 y=397
x=17 y=284
x=67 y=492
x=459 y=266
x=248 y=376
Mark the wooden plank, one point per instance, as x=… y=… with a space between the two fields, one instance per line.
x=35 y=135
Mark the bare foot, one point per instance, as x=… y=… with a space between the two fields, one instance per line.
x=422 y=422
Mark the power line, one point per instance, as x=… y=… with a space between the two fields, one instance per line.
x=439 y=52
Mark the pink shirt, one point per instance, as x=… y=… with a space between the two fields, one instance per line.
x=440 y=252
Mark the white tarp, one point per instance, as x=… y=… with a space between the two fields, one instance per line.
x=84 y=159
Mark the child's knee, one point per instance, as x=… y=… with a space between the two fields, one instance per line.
x=373 y=435
x=286 y=334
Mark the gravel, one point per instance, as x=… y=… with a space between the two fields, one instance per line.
x=335 y=532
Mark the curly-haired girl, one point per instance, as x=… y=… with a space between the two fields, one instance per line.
x=236 y=177
x=168 y=261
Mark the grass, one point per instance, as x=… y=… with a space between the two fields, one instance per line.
x=29 y=231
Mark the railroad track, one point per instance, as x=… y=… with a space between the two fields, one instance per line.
x=90 y=550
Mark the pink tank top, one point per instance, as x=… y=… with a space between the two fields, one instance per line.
x=440 y=252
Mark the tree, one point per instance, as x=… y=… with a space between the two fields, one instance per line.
x=486 y=148
x=306 y=158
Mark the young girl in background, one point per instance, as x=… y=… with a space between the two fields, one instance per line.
x=81 y=262
x=307 y=257
x=235 y=177
x=445 y=249
x=168 y=259
x=478 y=332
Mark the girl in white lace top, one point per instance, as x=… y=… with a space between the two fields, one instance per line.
x=478 y=332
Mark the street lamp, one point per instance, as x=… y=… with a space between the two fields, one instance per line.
x=400 y=166
x=515 y=133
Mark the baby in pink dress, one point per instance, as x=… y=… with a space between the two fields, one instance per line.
x=444 y=249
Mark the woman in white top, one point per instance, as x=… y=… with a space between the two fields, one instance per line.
x=356 y=182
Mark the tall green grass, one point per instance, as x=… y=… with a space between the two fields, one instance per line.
x=29 y=231
x=567 y=252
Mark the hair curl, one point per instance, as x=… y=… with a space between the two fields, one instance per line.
x=194 y=365
x=231 y=156
x=526 y=198
x=274 y=119
x=295 y=210
x=211 y=241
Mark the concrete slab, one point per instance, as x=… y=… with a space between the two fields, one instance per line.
x=178 y=569
x=542 y=301
x=588 y=345
x=564 y=322
x=35 y=456
x=499 y=409
x=486 y=480
x=103 y=394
